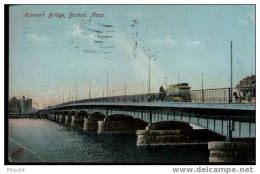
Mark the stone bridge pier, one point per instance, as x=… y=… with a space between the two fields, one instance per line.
x=91 y=123
x=79 y=118
x=68 y=116
x=51 y=116
x=174 y=132
x=57 y=118
x=54 y=116
x=61 y=117
x=235 y=151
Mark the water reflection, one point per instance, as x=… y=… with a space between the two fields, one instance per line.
x=54 y=142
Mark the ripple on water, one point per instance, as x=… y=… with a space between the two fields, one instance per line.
x=55 y=142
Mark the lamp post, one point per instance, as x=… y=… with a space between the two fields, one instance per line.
x=125 y=92
x=165 y=83
x=90 y=89
x=165 y=89
x=123 y=95
x=69 y=95
x=149 y=75
x=76 y=92
x=103 y=93
x=107 y=87
x=142 y=91
x=229 y=135
x=231 y=72
x=147 y=52
x=202 y=89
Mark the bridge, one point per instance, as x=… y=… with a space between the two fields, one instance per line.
x=228 y=125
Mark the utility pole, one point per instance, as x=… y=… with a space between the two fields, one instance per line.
x=113 y=95
x=63 y=98
x=107 y=87
x=76 y=92
x=178 y=78
x=148 y=53
x=59 y=99
x=165 y=99
x=148 y=86
x=229 y=136
x=202 y=89
x=165 y=83
x=142 y=91
x=125 y=92
x=231 y=73
x=69 y=95
x=149 y=74
x=90 y=90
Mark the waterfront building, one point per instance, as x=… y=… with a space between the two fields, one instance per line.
x=26 y=104
x=246 y=88
x=14 y=106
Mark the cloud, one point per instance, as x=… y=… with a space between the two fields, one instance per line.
x=93 y=36
x=247 y=19
x=140 y=65
x=167 y=39
x=192 y=43
x=76 y=30
x=35 y=37
x=135 y=15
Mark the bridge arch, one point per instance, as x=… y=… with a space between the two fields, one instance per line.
x=72 y=113
x=82 y=113
x=65 y=113
x=175 y=132
x=120 y=123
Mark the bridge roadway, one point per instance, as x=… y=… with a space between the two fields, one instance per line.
x=225 y=106
x=212 y=116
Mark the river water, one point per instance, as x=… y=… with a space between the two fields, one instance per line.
x=47 y=141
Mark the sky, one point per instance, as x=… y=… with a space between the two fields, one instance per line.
x=50 y=57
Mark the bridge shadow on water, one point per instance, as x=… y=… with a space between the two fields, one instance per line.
x=122 y=149
x=162 y=145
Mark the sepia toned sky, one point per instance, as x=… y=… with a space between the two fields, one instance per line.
x=51 y=56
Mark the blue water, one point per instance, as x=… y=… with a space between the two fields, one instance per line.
x=47 y=141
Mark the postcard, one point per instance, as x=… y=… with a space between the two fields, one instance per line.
x=130 y=84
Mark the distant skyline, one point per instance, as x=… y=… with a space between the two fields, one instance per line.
x=49 y=57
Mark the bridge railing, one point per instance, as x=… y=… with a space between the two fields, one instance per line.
x=220 y=95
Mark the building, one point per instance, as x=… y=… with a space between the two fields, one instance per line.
x=28 y=104
x=246 y=87
x=16 y=106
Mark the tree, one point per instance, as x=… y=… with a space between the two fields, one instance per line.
x=162 y=94
x=161 y=89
